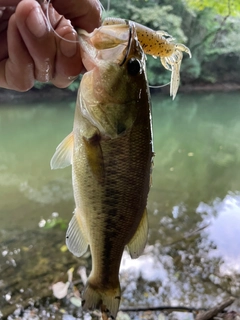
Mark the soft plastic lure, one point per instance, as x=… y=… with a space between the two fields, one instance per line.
x=155 y=43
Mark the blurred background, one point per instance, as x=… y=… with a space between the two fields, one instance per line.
x=192 y=258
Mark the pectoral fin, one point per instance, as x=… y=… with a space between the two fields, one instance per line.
x=139 y=240
x=63 y=154
x=75 y=239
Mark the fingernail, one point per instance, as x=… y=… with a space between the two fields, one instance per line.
x=68 y=47
x=36 y=22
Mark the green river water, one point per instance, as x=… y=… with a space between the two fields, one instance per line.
x=193 y=254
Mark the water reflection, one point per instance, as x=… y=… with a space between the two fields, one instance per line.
x=224 y=218
x=193 y=255
x=199 y=269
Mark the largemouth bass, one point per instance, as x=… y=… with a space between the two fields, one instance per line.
x=110 y=149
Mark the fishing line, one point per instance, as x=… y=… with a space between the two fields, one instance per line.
x=161 y=86
x=129 y=44
x=51 y=27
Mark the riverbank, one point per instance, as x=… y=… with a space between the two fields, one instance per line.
x=51 y=93
x=206 y=87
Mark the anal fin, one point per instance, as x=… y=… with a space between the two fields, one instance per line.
x=139 y=240
x=75 y=239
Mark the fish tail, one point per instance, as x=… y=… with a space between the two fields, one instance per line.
x=102 y=298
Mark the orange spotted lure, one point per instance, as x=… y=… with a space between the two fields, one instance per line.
x=159 y=44
x=155 y=43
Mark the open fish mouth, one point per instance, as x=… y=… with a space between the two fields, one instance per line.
x=106 y=44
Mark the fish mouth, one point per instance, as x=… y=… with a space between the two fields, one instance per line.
x=106 y=44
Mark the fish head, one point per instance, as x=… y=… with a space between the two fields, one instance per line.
x=111 y=90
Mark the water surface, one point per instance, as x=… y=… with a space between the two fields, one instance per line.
x=193 y=256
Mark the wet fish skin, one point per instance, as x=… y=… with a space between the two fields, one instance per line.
x=111 y=152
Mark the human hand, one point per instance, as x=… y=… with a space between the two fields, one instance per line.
x=30 y=50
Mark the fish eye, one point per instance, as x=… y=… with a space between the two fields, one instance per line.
x=133 y=66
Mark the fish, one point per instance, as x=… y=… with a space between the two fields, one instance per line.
x=111 y=152
x=155 y=43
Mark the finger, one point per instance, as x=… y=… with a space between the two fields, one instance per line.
x=38 y=38
x=16 y=72
x=84 y=14
x=68 y=62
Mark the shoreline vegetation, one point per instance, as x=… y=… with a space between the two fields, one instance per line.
x=54 y=94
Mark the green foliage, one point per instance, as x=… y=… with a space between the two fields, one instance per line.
x=153 y=16
x=191 y=69
x=223 y=7
x=209 y=37
x=56 y=222
x=226 y=40
x=156 y=73
x=156 y=17
x=208 y=27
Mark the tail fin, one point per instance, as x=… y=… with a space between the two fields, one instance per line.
x=94 y=298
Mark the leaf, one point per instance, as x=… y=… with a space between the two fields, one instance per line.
x=224 y=7
x=64 y=248
x=60 y=289
x=123 y=316
x=76 y=301
x=70 y=274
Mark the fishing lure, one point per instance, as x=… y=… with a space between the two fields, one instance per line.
x=155 y=43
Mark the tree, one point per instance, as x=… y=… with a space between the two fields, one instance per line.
x=224 y=7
